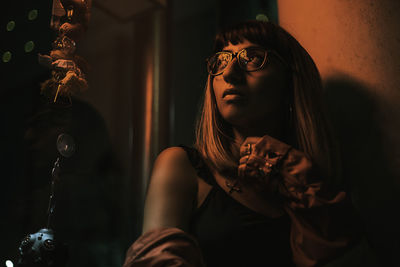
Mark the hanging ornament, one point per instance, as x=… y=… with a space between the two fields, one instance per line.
x=70 y=19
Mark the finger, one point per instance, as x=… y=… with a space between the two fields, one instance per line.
x=251 y=140
x=242 y=170
x=246 y=149
x=244 y=159
x=245 y=170
x=245 y=145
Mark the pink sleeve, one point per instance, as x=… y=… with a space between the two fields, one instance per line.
x=169 y=247
x=324 y=223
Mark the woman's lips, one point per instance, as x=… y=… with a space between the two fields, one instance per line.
x=232 y=93
x=233 y=96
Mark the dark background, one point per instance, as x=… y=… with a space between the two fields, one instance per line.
x=100 y=202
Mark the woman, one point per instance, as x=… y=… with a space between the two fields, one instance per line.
x=257 y=189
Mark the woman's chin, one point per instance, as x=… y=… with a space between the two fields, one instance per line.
x=237 y=119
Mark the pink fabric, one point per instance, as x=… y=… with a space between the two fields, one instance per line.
x=170 y=247
x=323 y=221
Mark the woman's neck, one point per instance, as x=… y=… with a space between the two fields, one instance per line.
x=273 y=129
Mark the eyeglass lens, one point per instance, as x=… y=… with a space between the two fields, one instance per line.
x=249 y=60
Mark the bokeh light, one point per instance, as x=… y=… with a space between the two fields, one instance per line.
x=10 y=25
x=6 y=56
x=32 y=15
x=262 y=17
x=29 y=46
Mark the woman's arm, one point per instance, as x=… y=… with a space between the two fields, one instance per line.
x=171 y=199
x=172 y=192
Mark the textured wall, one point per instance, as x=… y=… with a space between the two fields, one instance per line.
x=356 y=46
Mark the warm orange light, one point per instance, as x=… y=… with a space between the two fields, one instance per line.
x=148 y=113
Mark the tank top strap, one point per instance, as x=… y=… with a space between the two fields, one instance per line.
x=199 y=165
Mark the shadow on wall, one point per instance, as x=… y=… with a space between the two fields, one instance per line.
x=354 y=114
x=87 y=209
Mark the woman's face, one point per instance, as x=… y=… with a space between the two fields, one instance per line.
x=250 y=99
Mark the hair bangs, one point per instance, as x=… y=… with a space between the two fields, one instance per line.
x=253 y=31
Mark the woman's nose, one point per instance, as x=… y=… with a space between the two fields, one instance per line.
x=233 y=74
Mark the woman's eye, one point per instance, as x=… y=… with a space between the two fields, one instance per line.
x=254 y=59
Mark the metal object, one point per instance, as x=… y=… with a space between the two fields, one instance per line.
x=41 y=248
x=65 y=145
x=233 y=187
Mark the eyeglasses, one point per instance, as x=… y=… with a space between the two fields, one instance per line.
x=249 y=59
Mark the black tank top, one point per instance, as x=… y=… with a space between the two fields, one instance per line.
x=230 y=234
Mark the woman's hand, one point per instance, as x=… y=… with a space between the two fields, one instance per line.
x=259 y=161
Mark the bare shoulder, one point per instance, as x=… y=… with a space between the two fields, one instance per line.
x=173 y=154
x=172 y=191
x=173 y=166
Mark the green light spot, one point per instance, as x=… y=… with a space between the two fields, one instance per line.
x=29 y=46
x=32 y=15
x=262 y=17
x=7 y=56
x=10 y=25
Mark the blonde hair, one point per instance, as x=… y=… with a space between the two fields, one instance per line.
x=309 y=126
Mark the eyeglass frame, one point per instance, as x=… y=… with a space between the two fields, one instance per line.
x=235 y=55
